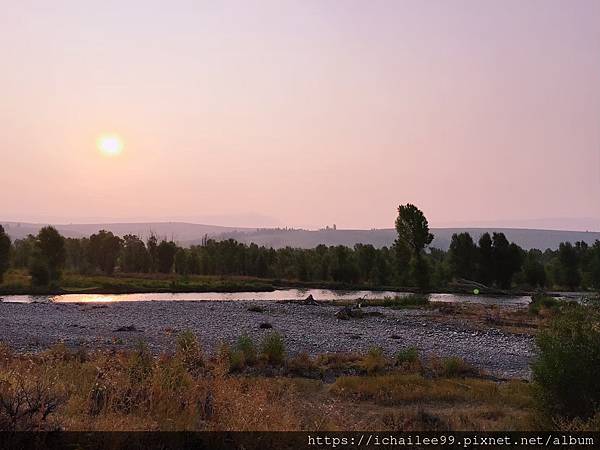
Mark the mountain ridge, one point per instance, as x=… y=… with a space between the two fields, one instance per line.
x=191 y=233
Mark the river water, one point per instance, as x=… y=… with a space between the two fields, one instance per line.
x=280 y=294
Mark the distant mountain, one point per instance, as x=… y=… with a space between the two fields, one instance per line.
x=526 y=238
x=178 y=231
x=190 y=233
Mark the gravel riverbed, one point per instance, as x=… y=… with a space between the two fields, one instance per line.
x=313 y=329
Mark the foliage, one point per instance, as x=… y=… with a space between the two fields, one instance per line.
x=453 y=366
x=246 y=346
x=5 y=246
x=374 y=361
x=104 y=249
x=38 y=269
x=189 y=351
x=408 y=355
x=165 y=254
x=462 y=255
x=49 y=252
x=412 y=228
x=493 y=261
x=273 y=349
x=567 y=368
x=134 y=255
x=408 y=301
x=540 y=302
x=103 y=392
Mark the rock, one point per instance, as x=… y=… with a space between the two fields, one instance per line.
x=349 y=313
x=129 y=328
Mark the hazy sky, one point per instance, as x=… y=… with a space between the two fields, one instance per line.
x=300 y=113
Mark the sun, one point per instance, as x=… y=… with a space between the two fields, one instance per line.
x=110 y=144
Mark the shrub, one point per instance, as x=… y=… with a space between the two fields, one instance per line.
x=409 y=301
x=374 y=361
x=27 y=402
x=567 y=368
x=408 y=355
x=189 y=351
x=455 y=366
x=40 y=274
x=237 y=361
x=303 y=365
x=273 y=349
x=140 y=364
x=246 y=346
x=541 y=302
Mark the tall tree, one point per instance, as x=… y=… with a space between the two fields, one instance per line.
x=152 y=246
x=462 y=255
x=104 y=250
x=413 y=233
x=4 y=252
x=50 y=254
x=594 y=265
x=412 y=228
x=181 y=262
x=485 y=260
x=165 y=254
x=568 y=259
x=134 y=257
x=507 y=260
x=533 y=269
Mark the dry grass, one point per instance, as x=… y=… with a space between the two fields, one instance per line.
x=512 y=320
x=134 y=390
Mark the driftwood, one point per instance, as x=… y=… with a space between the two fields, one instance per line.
x=348 y=312
x=310 y=301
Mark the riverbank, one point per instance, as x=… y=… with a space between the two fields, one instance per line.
x=305 y=328
x=17 y=282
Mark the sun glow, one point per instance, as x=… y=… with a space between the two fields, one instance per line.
x=110 y=145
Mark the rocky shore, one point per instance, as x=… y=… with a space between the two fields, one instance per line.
x=306 y=328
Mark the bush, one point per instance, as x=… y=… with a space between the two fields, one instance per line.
x=408 y=355
x=141 y=364
x=189 y=351
x=246 y=346
x=455 y=366
x=26 y=403
x=374 y=361
x=410 y=301
x=303 y=365
x=567 y=369
x=40 y=274
x=237 y=361
x=541 y=302
x=273 y=349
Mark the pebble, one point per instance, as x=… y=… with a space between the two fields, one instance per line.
x=312 y=329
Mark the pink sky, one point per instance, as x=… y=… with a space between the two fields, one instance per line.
x=301 y=113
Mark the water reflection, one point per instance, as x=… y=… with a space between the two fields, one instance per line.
x=282 y=294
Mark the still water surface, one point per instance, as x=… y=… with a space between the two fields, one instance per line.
x=280 y=294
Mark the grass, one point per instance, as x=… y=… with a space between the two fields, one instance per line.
x=188 y=390
x=543 y=305
x=18 y=282
x=401 y=302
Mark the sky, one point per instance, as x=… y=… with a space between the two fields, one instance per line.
x=301 y=113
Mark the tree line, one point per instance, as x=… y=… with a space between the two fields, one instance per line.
x=409 y=262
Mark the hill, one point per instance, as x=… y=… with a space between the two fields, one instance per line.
x=190 y=233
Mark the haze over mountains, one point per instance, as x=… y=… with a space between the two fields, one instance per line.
x=190 y=233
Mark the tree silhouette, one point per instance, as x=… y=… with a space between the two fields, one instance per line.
x=462 y=255
x=4 y=252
